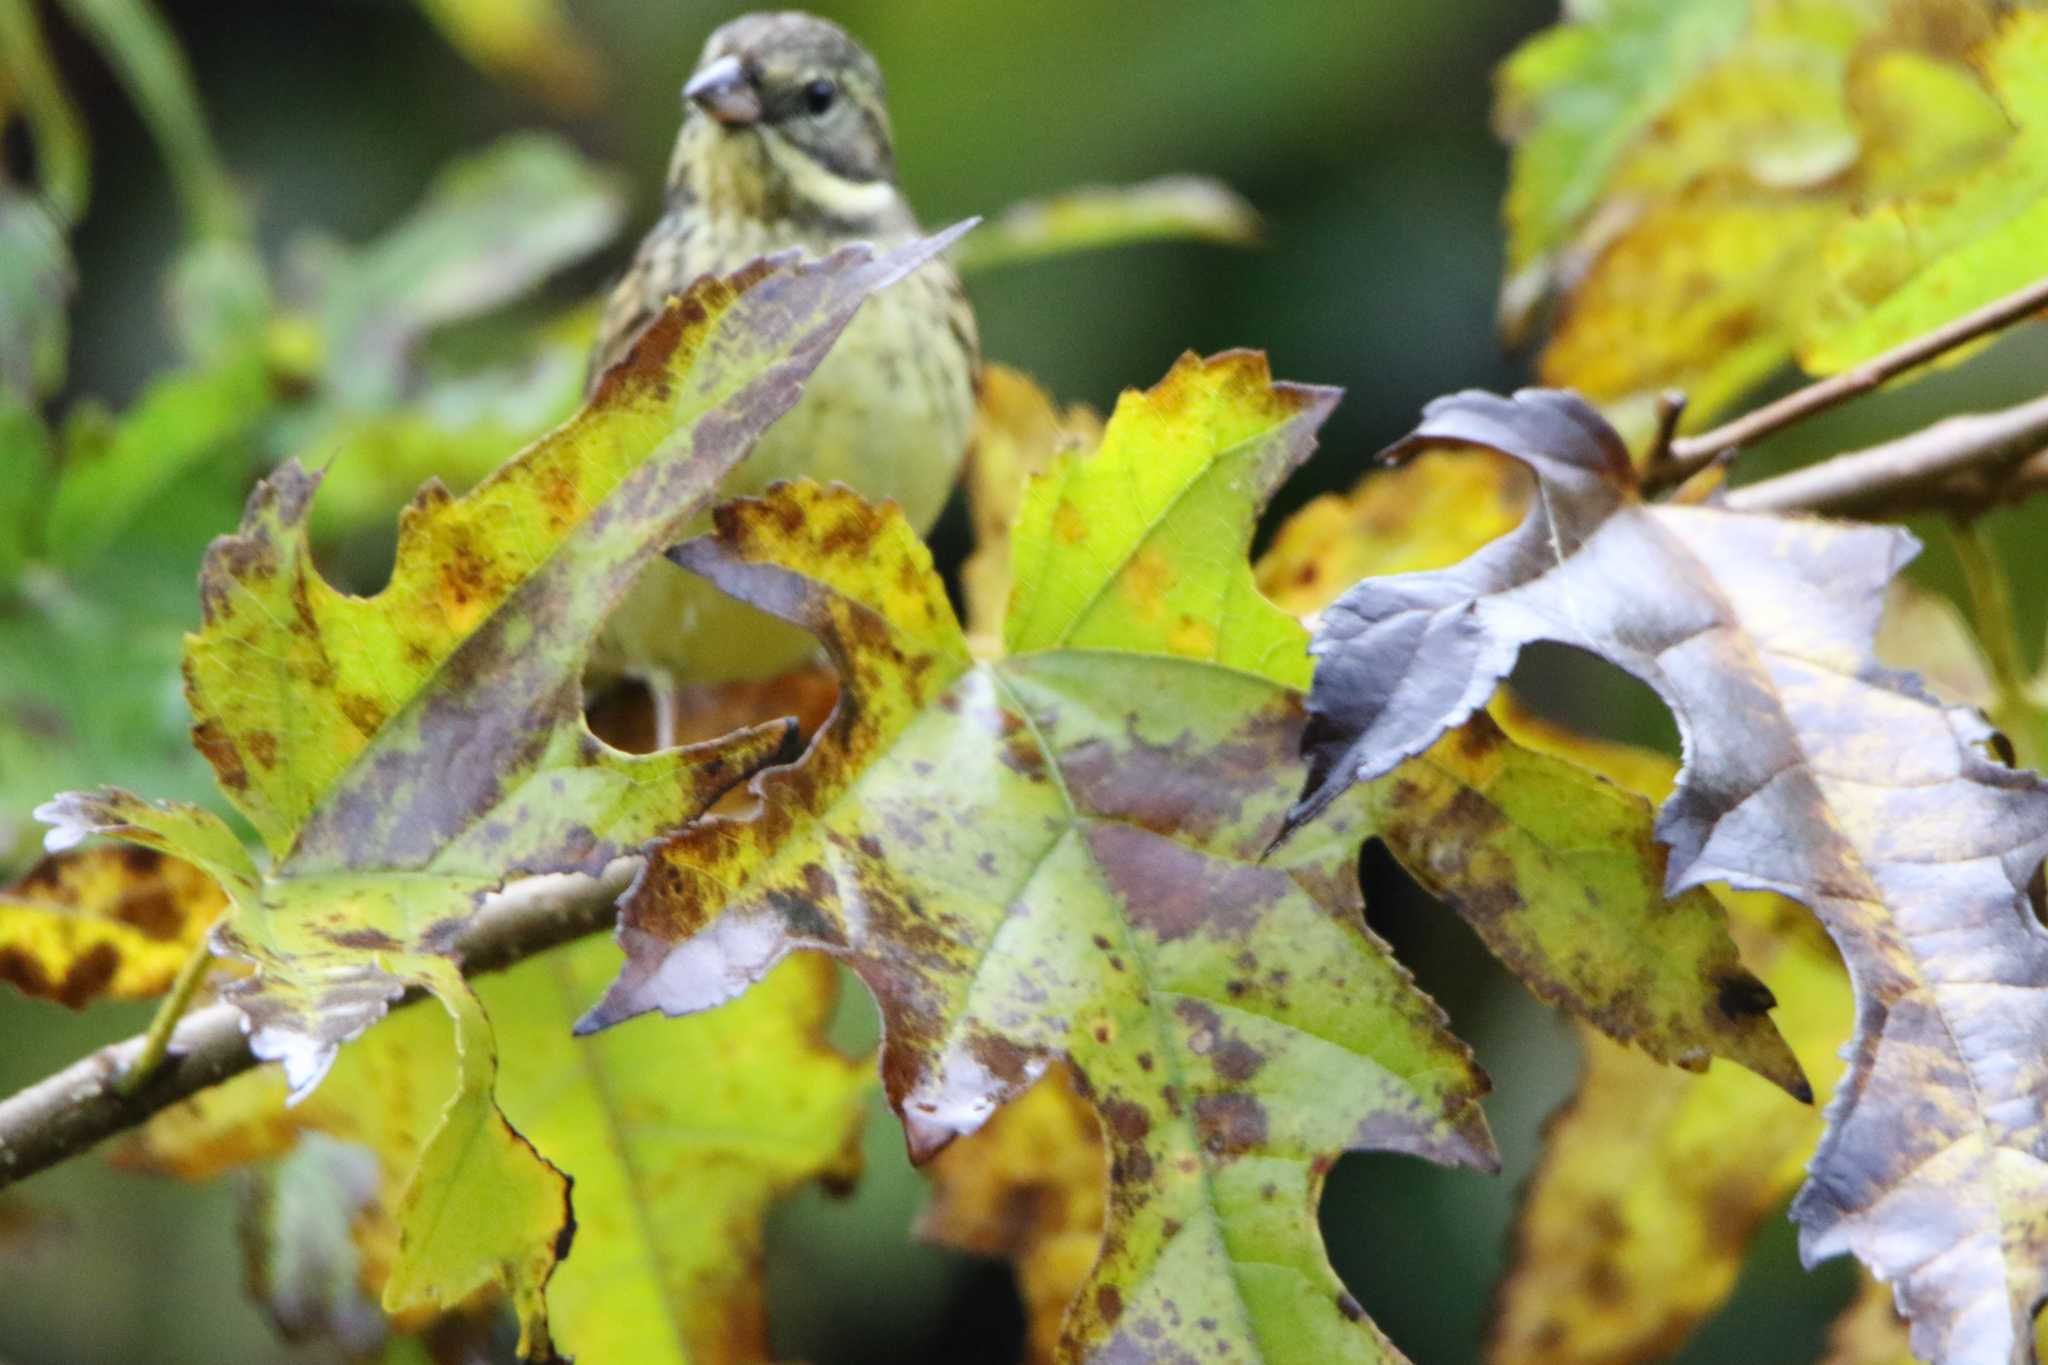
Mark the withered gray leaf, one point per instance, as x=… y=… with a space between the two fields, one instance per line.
x=1811 y=771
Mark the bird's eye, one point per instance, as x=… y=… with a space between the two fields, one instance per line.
x=819 y=95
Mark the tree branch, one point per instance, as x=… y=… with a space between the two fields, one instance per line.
x=1682 y=458
x=68 y=1113
x=1962 y=464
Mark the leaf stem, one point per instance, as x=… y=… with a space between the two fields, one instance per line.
x=1689 y=454
x=157 y=1041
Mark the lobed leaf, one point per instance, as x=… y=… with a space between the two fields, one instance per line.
x=406 y=754
x=679 y=1140
x=1653 y=1184
x=1812 y=772
x=1052 y=858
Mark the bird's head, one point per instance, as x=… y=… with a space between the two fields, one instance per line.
x=786 y=116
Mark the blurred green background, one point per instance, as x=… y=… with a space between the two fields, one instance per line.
x=1359 y=130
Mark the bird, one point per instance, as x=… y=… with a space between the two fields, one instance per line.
x=786 y=143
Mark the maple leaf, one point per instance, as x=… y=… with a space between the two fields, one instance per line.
x=1054 y=857
x=1812 y=772
x=1554 y=868
x=404 y=755
x=1652 y=1184
x=679 y=1139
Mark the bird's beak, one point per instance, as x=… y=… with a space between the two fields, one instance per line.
x=723 y=91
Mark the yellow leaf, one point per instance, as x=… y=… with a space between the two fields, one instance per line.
x=1031 y=1186
x=104 y=923
x=1018 y=434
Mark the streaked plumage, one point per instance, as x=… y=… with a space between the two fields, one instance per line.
x=785 y=143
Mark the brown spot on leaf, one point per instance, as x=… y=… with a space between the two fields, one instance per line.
x=1230 y=1125
x=1173 y=891
x=214 y=744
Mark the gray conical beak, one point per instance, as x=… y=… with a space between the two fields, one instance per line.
x=722 y=90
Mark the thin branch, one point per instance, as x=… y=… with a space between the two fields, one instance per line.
x=1689 y=454
x=1956 y=463
x=68 y=1113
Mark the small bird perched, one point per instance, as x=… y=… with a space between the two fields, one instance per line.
x=785 y=144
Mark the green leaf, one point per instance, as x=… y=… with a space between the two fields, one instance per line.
x=1054 y=857
x=1685 y=174
x=679 y=1140
x=1140 y=546
x=1906 y=266
x=185 y=419
x=1183 y=207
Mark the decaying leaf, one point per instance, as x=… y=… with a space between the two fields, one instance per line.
x=104 y=924
x=1054 y=858
x=1432 y=511
x=403 y=755
x=1814 y=773
x=1653 y=1183
x=678 y=1139
x=1555 y=870
x=1029 y=1186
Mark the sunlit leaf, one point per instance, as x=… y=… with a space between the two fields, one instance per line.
x=1812 y=772
x=1684 y=173
x=1422 y=515
x=1555 y=870
x=1018 y=433
x=1906 y=266
x=678 y=1139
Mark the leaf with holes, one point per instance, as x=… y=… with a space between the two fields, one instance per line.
x=403 y=755
x=1055 y=857
x=1813 y=772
